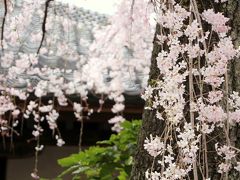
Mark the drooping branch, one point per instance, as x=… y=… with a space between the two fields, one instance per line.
x=44 y=24
x=132 y=6
x=3 y=22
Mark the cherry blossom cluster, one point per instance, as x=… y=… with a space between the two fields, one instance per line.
x=229 y=156
x=154 y=146
x=187 y=142
x=116 y=55
x=104 y=73
x=192 y=94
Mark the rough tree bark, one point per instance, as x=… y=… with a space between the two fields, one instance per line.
x=142 y=160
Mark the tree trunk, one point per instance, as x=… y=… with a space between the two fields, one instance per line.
x=233 y=12
x=150 y=124
x=142 y=160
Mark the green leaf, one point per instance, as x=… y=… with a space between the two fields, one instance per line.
x=107 y=169
x=69 y=161
x=67 y=171
x=123 y=175
x=80 y=170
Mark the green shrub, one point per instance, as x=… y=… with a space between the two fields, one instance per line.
x=109 y=160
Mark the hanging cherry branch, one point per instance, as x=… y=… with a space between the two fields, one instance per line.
x=192 y=96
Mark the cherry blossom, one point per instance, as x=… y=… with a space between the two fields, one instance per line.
x=154 y=146
x=187 y=109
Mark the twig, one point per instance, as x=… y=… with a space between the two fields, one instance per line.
x=44 y=24
x=3 y=22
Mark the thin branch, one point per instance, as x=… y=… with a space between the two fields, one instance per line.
x=3 y=22
x=44 y=24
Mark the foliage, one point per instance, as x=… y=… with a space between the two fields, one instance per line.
x=110 y=159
